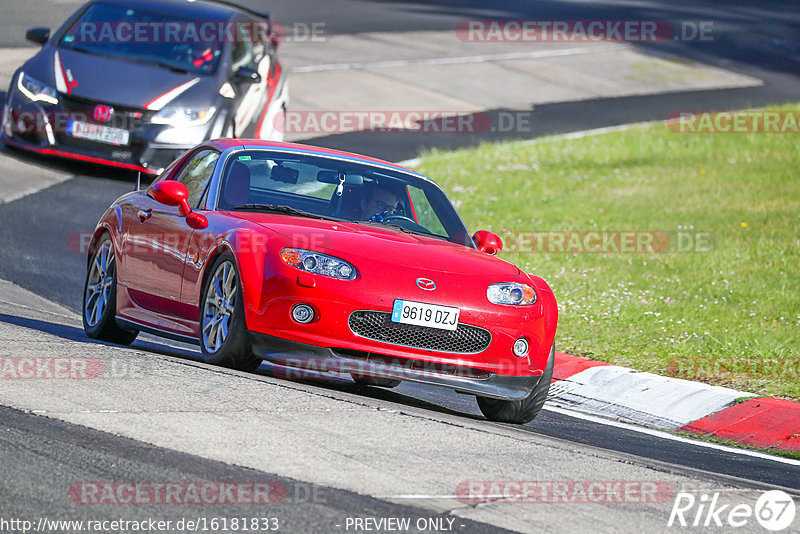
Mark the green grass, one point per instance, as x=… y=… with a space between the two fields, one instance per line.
x=728 y=316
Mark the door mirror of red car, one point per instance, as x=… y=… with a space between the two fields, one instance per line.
x=39 y=36
x=197 y=221
x=488 y=242
x=172 y=193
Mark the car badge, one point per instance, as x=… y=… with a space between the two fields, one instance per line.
x=426 y=284
x=103 y=113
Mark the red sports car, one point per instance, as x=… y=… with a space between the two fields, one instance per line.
x=318 y=259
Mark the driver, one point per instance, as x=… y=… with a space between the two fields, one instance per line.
x=377 y=204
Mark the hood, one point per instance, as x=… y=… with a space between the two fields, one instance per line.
x=351 y=241
x=116 y=81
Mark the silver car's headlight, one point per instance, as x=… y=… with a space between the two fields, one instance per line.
x=184 y=117
x=511 y=294
x=36 y=90
x=318 y=263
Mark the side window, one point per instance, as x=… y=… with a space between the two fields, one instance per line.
x=196 y=174
x=424 y=212
x=242 y=54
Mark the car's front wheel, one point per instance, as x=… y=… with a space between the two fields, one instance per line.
x=223 y=333
x=524 y=410
x=100 y=297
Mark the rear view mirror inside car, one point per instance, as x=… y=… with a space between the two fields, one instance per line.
x=284 y=174
x=334 y=177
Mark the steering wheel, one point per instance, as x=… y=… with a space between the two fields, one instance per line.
x=400 y=218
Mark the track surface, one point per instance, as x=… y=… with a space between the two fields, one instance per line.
x=40 y=456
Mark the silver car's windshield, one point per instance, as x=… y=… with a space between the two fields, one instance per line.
x=305 y=185
x=164 y=37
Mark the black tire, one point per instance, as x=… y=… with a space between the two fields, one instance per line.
x=524 y=410
x=234 y=349
x=372 y=381
x=99 y=307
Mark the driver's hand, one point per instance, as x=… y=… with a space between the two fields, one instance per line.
x=379 y=217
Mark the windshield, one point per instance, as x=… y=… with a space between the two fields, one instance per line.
x=145 y=34
x=299 y=185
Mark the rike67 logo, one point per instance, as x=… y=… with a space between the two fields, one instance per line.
x=774 y=510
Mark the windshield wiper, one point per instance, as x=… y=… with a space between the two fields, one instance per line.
x=277 y=208
x=392 y=225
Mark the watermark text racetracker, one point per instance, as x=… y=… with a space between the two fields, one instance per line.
x=149 y=524
x=404 y=121
x=177 y=493
x=246 y=242
x=73 y=368
x=193 y=32
x=565 y=491
x=50 y=368
x=606 y=241
x=733 y=122
x=51 y=122
x=583 y=31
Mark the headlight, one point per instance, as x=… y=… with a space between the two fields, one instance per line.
x=318 y=263
x=36 y=90
x=511 y=293
x=183 y=117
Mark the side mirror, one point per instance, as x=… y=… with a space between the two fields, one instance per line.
x=198 y=221
x=174 y=193
x=246 y=74
x=39 y=36
x=487 y=242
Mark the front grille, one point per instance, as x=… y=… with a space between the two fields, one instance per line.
x=125 y=117
x=378 y=326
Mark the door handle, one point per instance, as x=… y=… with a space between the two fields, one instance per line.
x=144 y=215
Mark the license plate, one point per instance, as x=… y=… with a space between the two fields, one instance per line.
x=97 y=132
x=421 y=314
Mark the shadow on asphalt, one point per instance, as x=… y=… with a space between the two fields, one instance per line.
x=317 y=380
x=759 y=33
x=546 y=119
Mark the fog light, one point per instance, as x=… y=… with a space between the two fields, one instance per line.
x=303 y=313
x=521 y=347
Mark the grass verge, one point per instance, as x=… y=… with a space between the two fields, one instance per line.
x=719 y=300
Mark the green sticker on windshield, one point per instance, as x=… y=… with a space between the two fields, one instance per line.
x=244 y=158
x=69 y=38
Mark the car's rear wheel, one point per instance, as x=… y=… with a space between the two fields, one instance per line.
x=523 y=410
x=223 y=333
x=100 y=297
x=362 y=380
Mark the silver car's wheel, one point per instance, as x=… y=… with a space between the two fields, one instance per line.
x=99 y=284
x=224 y=339
x=218 y=307
x=100 y=296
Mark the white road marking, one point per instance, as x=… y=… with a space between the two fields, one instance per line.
x=643 y=398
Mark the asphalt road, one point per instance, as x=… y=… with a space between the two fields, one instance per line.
x=40 y=456
x=41 y=459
